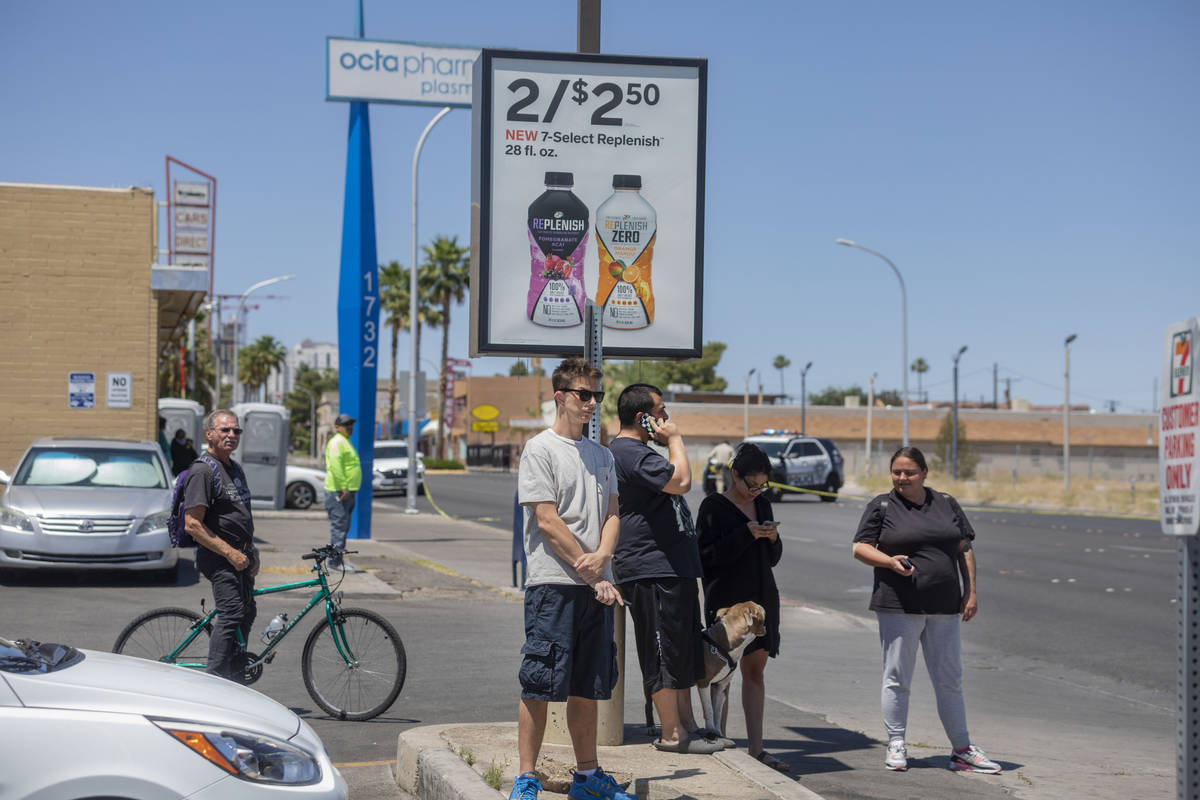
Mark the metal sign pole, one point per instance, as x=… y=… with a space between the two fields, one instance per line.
x=593 y=351
x=1187 y=752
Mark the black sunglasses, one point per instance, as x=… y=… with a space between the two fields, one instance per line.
x=237 y=431
x=756 y=489
x=586 y=394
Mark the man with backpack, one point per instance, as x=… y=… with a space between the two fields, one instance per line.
x=216 y=503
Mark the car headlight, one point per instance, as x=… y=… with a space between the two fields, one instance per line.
x=250 y=756
x=154 y=522
x=11 y=518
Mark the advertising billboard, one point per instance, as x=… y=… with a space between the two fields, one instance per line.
x=587 y=183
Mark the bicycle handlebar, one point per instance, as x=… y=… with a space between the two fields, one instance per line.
x=321 y=553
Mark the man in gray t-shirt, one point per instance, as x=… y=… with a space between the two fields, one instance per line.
x=568 y=487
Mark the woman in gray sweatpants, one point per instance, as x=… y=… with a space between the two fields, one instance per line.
x=920 y=543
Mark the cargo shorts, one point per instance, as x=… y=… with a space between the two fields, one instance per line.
x=569 y=649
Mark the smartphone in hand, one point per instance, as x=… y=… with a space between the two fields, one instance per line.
x=904 y=562
x=644 y=420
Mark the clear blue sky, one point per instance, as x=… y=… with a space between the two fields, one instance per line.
x=1030 y=166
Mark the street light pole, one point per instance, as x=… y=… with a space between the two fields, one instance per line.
x=1067 y=413
x=410 y=506
x=237 y=322
x=903 y=325
x=803 y=396
x=954 y=429
x=746 y=406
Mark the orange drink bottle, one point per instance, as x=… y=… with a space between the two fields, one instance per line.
x=626 y=226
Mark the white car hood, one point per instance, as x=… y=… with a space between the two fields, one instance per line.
x=127 y=685
x=396 y=463
x=87 y=501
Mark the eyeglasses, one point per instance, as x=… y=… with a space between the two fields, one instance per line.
x=235 y=431
x=756 y=489
x=586 y=395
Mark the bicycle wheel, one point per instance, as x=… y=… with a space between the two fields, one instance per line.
x=156 y=633
x=370 y=685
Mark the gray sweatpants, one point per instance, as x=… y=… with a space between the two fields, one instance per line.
x=938 y=636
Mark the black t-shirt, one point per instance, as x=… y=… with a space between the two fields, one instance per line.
x=227 y=512
x=658 y=537
x=930 y=534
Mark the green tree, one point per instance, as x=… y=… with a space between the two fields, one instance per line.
x=781 y=363
x=968 y=459
x=306 y=381
x=520 y=368
x=447 y=270
x=700 y=373
x=257 y=360
x=394 y=295
x=836 y=395
x=920 y=366
x=202 y=374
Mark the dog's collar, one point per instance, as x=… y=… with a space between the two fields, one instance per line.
x=716 y=648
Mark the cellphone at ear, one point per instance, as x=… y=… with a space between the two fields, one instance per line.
x=644 y=420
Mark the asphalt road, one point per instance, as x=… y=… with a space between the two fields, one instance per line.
x=1096 y=594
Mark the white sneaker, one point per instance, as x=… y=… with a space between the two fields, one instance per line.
x=897 y=756
x=973 y=760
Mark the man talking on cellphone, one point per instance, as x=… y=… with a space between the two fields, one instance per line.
x=657 y=562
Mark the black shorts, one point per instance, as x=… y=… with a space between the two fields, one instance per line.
x=666 y=627
x=569 y=648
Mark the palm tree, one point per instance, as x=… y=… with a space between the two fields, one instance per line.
x=781 y=363
x=920 y=366
x=394 y=300
x=257 y=360
x=447 y=273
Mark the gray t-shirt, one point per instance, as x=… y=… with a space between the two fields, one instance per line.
x=578 y=476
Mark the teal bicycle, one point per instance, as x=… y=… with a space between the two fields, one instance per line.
x=353 y=661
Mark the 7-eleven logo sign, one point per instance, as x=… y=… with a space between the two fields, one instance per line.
x=1181 y=364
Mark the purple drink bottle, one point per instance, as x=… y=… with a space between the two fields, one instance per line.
x=558 y=230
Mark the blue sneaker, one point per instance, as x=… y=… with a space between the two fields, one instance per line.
x=597 y=785
x=525 y=787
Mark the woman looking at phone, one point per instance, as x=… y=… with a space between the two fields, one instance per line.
x=739 y=545
x=919 y=542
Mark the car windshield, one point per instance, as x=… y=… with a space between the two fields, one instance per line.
x=25 y=656
x=91 y=467
x=392 y=451
x=772 y=449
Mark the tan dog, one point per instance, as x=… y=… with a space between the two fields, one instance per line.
x=725 y=640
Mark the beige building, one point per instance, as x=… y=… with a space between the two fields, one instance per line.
x=82 y=294
x=1111 y=446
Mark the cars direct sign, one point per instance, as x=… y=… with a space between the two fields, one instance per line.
x=1179 y=427
x=588 y=184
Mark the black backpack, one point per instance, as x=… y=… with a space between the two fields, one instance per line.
x=176 y=527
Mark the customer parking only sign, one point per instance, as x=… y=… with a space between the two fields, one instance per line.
x=1179 y=427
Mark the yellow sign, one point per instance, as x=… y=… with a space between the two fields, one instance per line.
x=485 y=412
x=485 y=427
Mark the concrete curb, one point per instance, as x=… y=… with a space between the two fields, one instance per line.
x=783 y=786
x=428 y=770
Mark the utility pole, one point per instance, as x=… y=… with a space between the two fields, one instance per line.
x=1067 y=413
x=995 y=384
x=870 y=407
x=803 y=396
x=954 y=428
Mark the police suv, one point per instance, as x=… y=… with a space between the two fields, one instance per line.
x=806 y=462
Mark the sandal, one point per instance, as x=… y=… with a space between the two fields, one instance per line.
x=773 y=762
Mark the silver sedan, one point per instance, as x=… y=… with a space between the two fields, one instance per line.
x=88 y=503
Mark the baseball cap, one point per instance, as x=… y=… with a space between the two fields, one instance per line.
x=344 y=419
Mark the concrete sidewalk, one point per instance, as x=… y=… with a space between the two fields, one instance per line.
x=1057 y=734
x=432 y=760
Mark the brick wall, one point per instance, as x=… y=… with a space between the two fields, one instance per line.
x=75 y=271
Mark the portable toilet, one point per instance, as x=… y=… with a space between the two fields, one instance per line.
x=262 y=451
x=186 y=414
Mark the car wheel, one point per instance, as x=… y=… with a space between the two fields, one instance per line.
x=300 y=495
x=831 y=493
